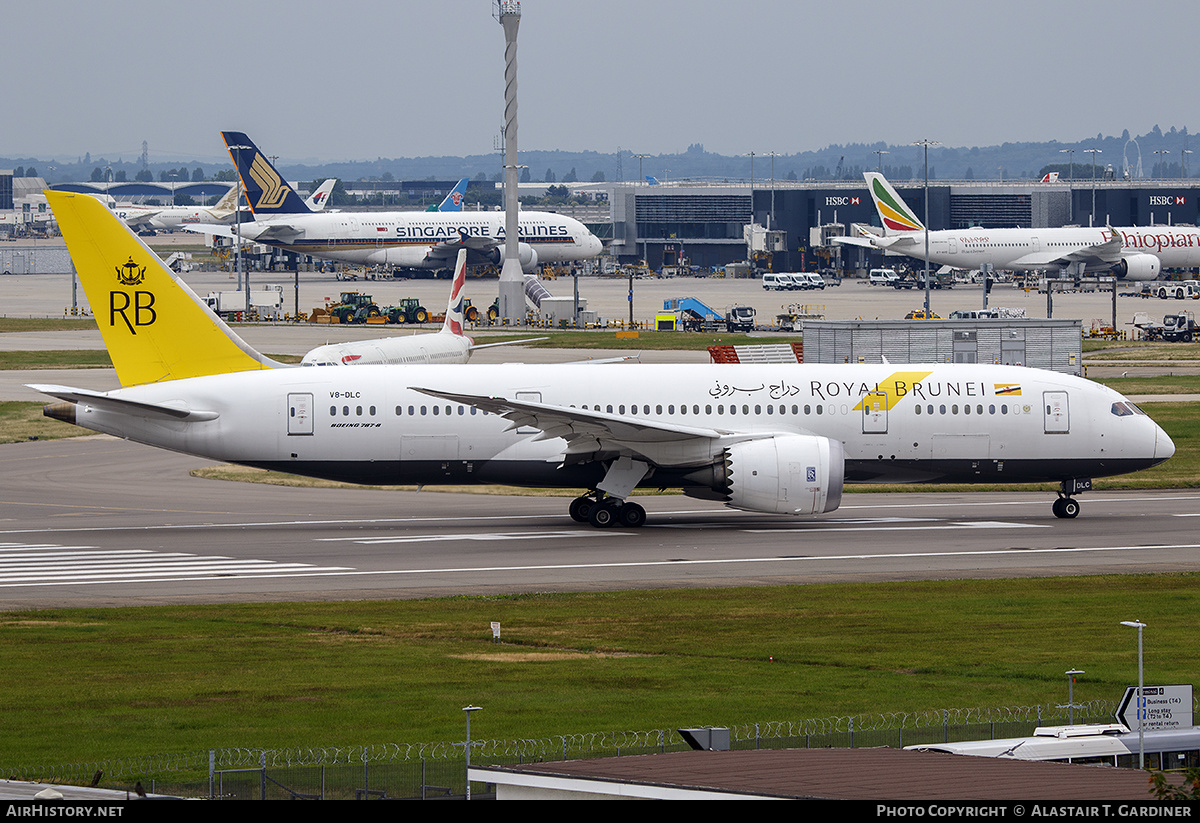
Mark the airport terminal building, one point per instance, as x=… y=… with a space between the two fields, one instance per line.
x=705 y=223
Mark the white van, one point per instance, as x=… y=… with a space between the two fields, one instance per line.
x=882 y=277
x=810 y=280
x=778 y=282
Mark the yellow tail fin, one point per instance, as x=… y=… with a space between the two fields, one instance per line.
x=154 y=326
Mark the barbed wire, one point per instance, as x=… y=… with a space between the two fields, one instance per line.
x=548 y=748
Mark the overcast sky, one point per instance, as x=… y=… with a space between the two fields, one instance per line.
x=325 y=80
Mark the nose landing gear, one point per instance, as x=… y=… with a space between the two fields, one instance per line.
x=1066 y=506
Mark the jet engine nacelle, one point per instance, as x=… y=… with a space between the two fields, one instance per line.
x=790 y=474
x=526 y=254
x=1138 y=267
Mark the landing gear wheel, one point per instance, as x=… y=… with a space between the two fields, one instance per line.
x=603 y=515
x=1066 y=508
x=632 y=516
x=580 y=507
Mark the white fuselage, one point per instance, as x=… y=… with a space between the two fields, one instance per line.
x=408 y=239
x=929 y=423
x=440 y=347
x=1009 y=249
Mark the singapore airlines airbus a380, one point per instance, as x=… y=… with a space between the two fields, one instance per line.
x=779 y=439
x=405 y=239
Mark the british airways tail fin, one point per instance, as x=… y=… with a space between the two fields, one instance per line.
x=454 y=309
x=894 y=213
x=319 y=199
x=266 y=190
x=154 y=327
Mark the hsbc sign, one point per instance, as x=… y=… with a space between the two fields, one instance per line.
x=1167 y=200
x=843 y=201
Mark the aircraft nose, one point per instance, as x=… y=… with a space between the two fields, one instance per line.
x=1164 y=446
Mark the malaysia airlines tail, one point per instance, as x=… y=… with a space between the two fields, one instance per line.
x=894 y=213
x=319 y=199
x=266 y=190
x=154 y=327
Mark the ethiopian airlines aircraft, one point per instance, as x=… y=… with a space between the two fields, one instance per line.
x=405 y=239
x=1133 y=254
x=780 y=439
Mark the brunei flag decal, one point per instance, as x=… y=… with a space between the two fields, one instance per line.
x=1007 y=388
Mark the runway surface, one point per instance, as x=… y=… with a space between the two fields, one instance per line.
x=99 y=521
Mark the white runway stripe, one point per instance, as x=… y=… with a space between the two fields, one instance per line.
x=47 y=563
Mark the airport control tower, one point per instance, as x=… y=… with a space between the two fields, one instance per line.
x=512 y=279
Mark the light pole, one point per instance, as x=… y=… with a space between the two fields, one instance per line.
x=1071 y=695
x=641 y=178
x=1071 y=161
x=237 y=221
x=1183 y=153
x=468 y=710
x=1092 y=216
x=1141 y=709
x=926 y=144
x=1162 y=163
x=879 y=153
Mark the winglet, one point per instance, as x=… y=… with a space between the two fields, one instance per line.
x=894 y=213
x=154 y=326
x=266 y=190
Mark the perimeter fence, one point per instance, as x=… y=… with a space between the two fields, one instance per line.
x=438 y=770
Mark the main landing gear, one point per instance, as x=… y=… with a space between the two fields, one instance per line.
x=1066 y=506
x=604 y=512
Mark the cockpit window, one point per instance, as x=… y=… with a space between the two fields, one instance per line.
x=1122 y=409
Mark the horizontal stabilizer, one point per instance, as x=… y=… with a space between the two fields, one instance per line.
x=120 y=405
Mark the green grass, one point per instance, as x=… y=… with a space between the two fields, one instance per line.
x=84 y=684
x=1154 y=384
x=16 y=324
x=70 y=359
x=645 y=341
x=20 y=421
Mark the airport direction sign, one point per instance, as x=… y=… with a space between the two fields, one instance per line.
x=1159 y=708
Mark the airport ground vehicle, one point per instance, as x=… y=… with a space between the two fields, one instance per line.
x=1102 y=745
x=266 y=301
x=937 y=280
x=696 y=316
x=882 y=277
x=778 y=281
x=1179 y=291
x=354 y=307
x=408 y=310
x=473 y=314
x=1180 y=327
x=809 y=280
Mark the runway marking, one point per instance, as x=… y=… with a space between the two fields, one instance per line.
x=483 y=537
x=268 y=570
x=865 y=505
x=49 y=564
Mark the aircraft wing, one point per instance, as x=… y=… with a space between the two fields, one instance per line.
x=594 y=435
x=447 y=249
x=277 y=232
x=865 y=242
x=1107 y=252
